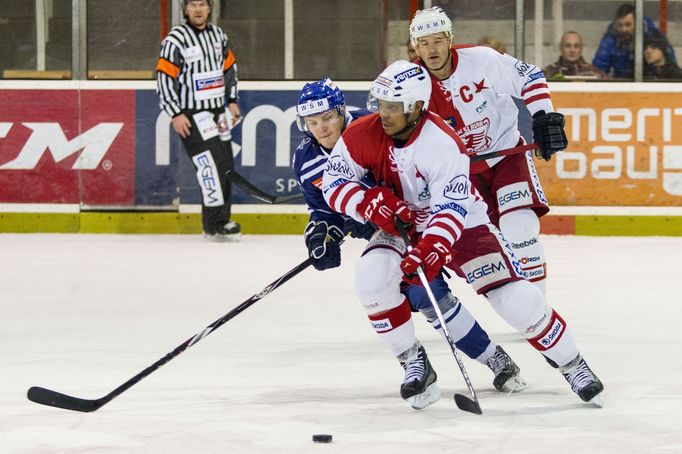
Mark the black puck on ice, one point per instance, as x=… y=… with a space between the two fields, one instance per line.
x=322 y=438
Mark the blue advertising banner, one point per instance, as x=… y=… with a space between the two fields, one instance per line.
x=263 y=144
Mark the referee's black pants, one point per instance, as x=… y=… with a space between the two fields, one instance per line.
x=212 y=157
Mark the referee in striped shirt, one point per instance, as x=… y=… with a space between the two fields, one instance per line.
x=196 y=80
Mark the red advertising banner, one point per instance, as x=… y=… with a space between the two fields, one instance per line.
x=67 y=146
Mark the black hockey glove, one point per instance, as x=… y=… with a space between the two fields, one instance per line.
x=358 y=229
x=548 y=133
x=324 y=244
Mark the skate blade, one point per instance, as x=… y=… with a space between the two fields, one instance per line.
x=596 y=401
x=430 y=395
x=514 y=385
x=218 y=238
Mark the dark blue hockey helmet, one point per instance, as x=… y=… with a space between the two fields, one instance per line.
x=318 y=97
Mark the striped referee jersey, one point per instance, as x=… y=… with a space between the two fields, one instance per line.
x=196 y=70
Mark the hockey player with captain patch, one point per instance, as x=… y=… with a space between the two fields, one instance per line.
x=472 y=89
x=322 y=116
x=422 y=172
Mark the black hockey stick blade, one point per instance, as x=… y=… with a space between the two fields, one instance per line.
x=54 y=399
x=258 y=193
x=466 y=404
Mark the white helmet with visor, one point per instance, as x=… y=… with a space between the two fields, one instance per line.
x=401 y=81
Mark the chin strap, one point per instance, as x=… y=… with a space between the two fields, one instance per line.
x=408 y=125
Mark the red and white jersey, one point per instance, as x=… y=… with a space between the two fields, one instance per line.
x=430 y=172
x=476 y=100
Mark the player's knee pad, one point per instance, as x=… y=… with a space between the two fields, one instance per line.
x=522 y=305
x=377 y=280
x=521 y=229
x=520 y=224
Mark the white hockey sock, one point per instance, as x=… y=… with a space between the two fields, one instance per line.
x=524 y=307
x=395 y=328
x=555 y=341
x=521 y=229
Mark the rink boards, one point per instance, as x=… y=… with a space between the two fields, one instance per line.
x=106 y=146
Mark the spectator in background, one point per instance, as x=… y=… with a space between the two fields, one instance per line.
x=571 y=62
x=657 y=61
x=615 y=55
x=494 y=43
x=411 y=53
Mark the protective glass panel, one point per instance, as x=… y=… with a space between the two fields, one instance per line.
x=487 y=22
x=255 y=31
x=123 y=39
x=578 y=40
x=35 y=39
x=342 y=40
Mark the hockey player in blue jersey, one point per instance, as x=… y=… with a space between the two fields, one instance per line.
x=322 y=117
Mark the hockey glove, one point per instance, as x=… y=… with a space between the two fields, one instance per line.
x=431 y=253
x=548 y=133
x=359 y=230
x=381 y=206
x=324 y=244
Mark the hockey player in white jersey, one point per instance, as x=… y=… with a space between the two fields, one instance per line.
x=422 y=173
x=322 y=117
x=472 y=89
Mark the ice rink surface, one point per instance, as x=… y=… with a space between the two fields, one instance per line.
x=81 y=314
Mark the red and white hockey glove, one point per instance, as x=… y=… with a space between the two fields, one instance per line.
x=380 y=206
x=431 y=253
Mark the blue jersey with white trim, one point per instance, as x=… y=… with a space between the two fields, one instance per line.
x=310 y=159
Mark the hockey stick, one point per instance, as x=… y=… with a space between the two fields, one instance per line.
x=462 y=401
x=509 y=151
x=55 y=399
x=258 y=193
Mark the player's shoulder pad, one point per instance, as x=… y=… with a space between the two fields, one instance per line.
x=465 y=46
x=303 y=153
x=362 y=137
x=447 y=134
x=475 y=50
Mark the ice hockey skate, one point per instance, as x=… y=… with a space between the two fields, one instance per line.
x=230 y=232
x=583 y=381
x=419 y=387
x=507 y=373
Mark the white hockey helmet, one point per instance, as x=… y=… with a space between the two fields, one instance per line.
x=428 y=22
x=401 y=81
